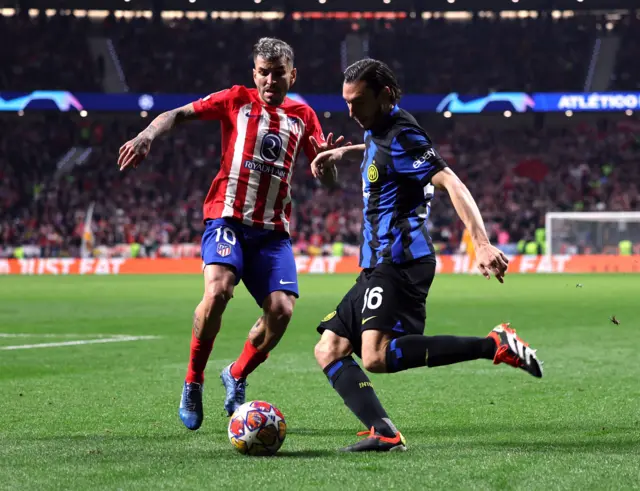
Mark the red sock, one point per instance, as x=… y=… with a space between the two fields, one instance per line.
x=200 y=351
x=248 y=361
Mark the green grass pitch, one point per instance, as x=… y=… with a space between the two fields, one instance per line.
x=104 y=416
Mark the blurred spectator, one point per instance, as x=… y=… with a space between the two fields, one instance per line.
x=159 y=204
x=47 y=53
x=627 y=73
x=516 y=174
x=200 y=56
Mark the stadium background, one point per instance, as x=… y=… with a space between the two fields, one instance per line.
x=542 y=137
x=545 y=120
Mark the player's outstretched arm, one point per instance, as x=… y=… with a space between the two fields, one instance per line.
x=324 y=168
x=134 y=151
x=490 y=259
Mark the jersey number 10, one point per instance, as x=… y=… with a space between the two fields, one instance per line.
x=227 y=234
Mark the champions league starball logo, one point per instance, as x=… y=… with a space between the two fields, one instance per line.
x=519 y=101
x=64 y=101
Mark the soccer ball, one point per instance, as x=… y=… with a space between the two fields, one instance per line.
x=257 y=428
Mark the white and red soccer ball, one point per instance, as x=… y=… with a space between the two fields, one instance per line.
x=257 y=428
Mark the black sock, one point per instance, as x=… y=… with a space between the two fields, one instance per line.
x=433 y=351
x=355 y=388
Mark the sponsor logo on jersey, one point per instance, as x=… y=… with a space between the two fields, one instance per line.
x=270 y=147
x=426 y=157
x=265 y=168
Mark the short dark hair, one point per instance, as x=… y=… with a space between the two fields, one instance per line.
x=376 y=74
x=272 y=49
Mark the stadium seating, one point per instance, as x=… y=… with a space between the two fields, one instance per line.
x=435 y=56
x=170 y=57
x=627 y=73
x=47 y=53
x=516 y=176
x=471 y=57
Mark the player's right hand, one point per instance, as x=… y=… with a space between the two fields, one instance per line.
x=325 y=160
x=134 y=151
x=491 y=260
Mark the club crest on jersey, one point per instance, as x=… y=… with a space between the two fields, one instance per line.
x=372 y=172
x=271 y=147
x=224 y=250
x=294 y=125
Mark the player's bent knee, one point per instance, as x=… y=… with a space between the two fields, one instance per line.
x=217 y=294
x=331 y=348
x=374 y=361
x=321 y=354
x=280 y=310
x=283 y=311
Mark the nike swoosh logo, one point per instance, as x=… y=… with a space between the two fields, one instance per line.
x=252 y=115
x=364 y=321
x=286 y=282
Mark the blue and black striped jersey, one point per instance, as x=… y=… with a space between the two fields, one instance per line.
x=399 y=162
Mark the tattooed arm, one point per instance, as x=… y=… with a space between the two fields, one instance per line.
x=167 y=121
x=134 y=151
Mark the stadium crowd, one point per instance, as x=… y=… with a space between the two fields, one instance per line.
x=447 y=54
x=47 y=53
x=627 y=71
x=545 y=53
x=516 y=176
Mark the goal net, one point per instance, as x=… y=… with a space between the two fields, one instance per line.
x=591 y=232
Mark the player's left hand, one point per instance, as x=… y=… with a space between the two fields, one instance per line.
x=491 y=260
x=327 y=145
x=134 y=151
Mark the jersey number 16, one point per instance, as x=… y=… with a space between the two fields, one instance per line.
x=372 y=298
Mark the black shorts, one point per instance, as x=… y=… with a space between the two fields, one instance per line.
x=389 y=298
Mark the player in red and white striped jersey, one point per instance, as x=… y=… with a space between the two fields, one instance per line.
x=260 y=145
x=246 y=212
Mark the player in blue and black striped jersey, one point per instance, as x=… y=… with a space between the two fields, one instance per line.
x=381 y=319
x=399 y=162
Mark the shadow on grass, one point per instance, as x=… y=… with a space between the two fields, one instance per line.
x=109 y=446
x=622 y=447
x=306 y=454
x=323 y=432
x=547 y=437
x=555 y=437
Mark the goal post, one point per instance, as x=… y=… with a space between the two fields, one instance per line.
x=598 y=232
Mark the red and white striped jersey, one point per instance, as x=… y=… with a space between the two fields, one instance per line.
x=260 y=144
